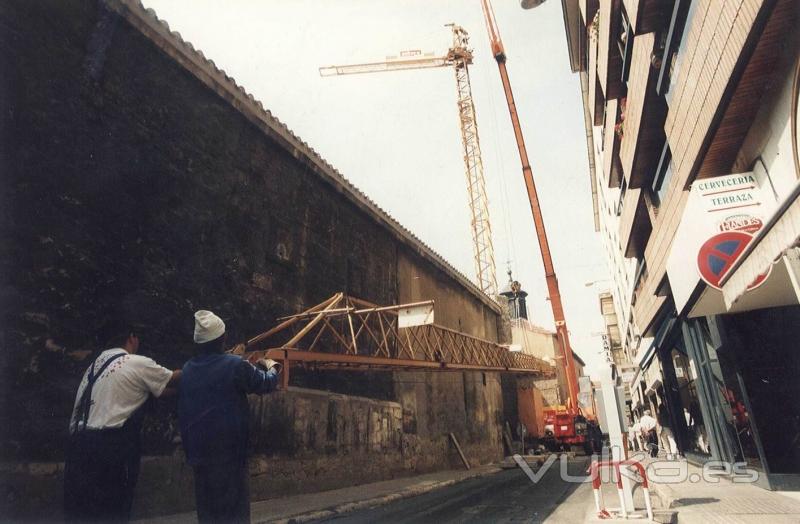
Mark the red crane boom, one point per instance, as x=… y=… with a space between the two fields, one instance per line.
x=541 y=234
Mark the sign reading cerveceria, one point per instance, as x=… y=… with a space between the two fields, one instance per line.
x=726 y=182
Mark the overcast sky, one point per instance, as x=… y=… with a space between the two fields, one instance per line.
x=396 y=135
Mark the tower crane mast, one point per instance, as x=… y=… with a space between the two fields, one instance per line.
x=459 y=57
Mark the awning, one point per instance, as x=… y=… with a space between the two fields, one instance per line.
x=775 y=241
x=653 y=381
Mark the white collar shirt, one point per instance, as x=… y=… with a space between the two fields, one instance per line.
x=647 y=423
x=121 y=389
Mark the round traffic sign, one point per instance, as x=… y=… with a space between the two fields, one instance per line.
x=719 y=253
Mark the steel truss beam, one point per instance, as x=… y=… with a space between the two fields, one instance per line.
x=344 y=332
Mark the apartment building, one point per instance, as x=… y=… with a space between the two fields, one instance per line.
x=691 y=113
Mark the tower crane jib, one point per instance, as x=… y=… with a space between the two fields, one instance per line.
x=459 y=56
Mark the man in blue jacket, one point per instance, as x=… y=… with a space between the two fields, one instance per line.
x=213 y=417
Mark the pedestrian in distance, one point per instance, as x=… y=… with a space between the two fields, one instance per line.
x=665 y=434
x=648 y=425
x=594 y=437
x=213 y=416
x=634 y=430
x=102 y=462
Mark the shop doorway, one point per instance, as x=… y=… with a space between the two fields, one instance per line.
x=763 y=348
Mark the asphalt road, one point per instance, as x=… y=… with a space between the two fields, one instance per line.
x=507 y=496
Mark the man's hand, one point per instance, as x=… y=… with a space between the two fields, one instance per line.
x=268 y=363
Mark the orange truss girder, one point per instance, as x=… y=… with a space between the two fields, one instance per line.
x=348 y=333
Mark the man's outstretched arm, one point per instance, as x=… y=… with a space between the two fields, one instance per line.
x=255 y=379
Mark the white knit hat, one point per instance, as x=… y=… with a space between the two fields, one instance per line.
x=207 y=326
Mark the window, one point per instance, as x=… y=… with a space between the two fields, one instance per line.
x=622 y=188
x=625 y=44
x=639 y=279
x=681 y=14
x=663 y=176
x=641 y=273
x=663 y=289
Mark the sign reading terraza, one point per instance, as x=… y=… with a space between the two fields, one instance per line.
x=732 y=199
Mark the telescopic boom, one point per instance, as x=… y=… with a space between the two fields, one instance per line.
x=541 y=234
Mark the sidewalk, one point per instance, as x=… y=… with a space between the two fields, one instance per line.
x=326 y=504
x=700 y=501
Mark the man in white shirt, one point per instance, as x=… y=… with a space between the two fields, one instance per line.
x=648 y=425
x=647 y=422
x=102 y=464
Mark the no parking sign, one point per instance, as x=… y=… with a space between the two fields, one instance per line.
x=719 y=253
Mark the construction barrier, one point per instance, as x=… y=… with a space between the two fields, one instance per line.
x=594 y=472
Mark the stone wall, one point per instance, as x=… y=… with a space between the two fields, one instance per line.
x=543 y=343
x=551 y=391
x=137 y=184
x=306 y=440
x=469 y=404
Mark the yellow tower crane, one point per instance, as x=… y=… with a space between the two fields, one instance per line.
x=459 y=56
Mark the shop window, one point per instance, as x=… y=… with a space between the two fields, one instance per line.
x=765 y=345
x=696 y=438
x=727 y=418
x=737 y=421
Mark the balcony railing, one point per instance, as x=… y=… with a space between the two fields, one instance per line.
x=728 y=55
x=588 y=9
x=595 y=102
x=621 y=201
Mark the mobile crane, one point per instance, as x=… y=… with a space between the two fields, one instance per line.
x=565 y=426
